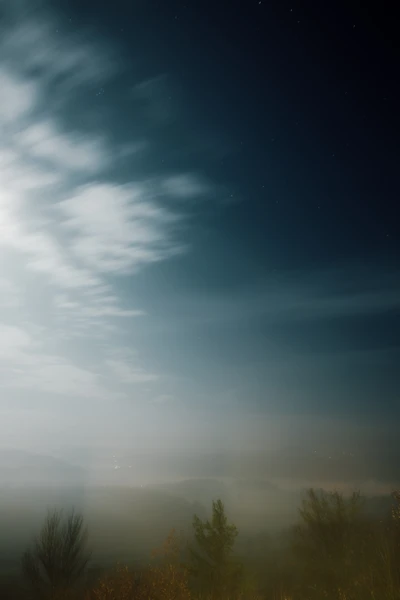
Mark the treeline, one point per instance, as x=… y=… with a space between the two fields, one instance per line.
x=336 y=552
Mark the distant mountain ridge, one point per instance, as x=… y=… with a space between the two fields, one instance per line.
x=20 y=467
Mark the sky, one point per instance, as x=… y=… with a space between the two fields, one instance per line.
x=199 y=249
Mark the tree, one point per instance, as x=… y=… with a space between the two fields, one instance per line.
x=396 y=517
x=212 y=562
x=333 y=542
x=389 y=552
x=58 y=558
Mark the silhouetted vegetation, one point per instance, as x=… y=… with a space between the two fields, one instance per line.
x=336 y=551
x=58 y=558
x=165 y=579
x=215 y=571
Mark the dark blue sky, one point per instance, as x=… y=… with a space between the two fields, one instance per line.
x=259 y=233
x=302 y=102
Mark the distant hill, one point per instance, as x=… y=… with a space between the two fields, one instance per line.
x=20 y=468
x=195 y=490
x=261 y=485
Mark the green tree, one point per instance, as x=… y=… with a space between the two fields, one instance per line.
x=58 y=558
x=211 y=560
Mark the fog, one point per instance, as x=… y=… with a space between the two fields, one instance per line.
x=131 y=500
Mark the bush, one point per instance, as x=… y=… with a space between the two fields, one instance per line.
x=167 y=580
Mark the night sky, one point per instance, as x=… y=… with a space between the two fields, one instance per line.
x=199 y=239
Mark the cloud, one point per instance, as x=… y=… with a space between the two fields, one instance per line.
x=117 y=228
x=33 y=42
x=13 y=342
x=25 y=365
x=319 y=304
x=163 y=399
x=66 y=379
x=157 y=99
x=18 y=96
x=185 y=186
x=65 y=151
x=68 y=224
x=10 y=295
x=299 y=296
x=73 y=234
x=126 y=373
x=102 y=306
x=42 y=252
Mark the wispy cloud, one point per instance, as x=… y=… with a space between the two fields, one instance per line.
x=127 y=373
x=117 y=228
x=185 y=186
x=163 y=399
x=9 y=294
x=156 y=99
x=34 y=41
x=18 y=96
x=25 y=365
x=62 y=151
x=71 y=225
x=300 y=296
